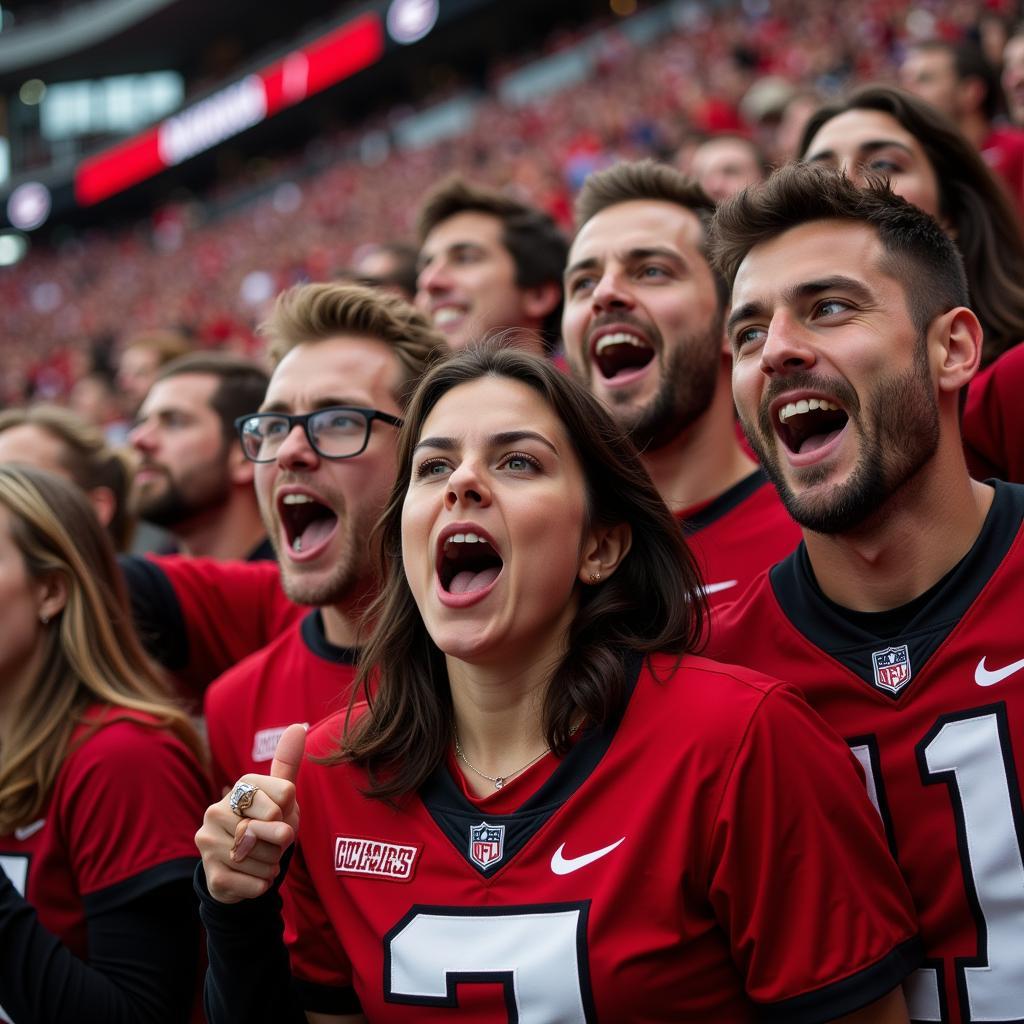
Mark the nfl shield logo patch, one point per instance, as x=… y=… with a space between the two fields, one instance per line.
x=892 y=668
x=486 y=844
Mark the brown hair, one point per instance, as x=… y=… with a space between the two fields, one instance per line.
x=627 y=182
x=91 y=655
x=918 y=253
x=973 y=201
x=537 y=246
x=241 y=384
x=166 y=344
x=653 y=601
x=86 y=457
x=318 y=312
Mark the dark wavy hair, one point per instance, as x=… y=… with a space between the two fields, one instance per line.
x=652 y=602
x=973 y=201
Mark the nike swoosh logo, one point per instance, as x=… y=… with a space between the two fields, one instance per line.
x=714 y=588
x=567 y=865
x=27 y=831
x=989 y=677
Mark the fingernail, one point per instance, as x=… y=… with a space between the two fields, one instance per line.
x=243 y=847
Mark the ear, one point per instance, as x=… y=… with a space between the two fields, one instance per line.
x=541 y=300
x=240 y=469
x=972 y=91
x=52 y=595
x=104 y=504
x=604 y=548
x=957 y=336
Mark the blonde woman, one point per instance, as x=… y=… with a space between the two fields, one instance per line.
x=101 y=783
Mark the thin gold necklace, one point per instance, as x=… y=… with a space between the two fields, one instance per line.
x=498 y=780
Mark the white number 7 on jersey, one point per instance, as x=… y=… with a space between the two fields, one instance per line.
x=538 y=953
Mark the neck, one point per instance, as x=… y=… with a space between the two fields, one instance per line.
x=227 y=533
x=498 y=713
x=17 y=686
x=345 y=622
x=702 y=461
x=975 y=127
x=909 y=544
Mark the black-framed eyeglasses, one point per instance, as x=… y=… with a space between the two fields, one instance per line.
x=336 y=432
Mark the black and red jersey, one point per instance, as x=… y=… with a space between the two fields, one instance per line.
x=710 y=856
x=737 y=535
x=934 y=710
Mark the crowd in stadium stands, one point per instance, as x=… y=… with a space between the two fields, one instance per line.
x=662 y=715
x=192 y=266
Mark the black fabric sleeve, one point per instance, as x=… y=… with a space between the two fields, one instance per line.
x=156 y=611
x=245 y=943
x=143 y=956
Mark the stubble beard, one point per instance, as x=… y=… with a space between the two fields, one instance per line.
x=689 y=377
x=899 y=435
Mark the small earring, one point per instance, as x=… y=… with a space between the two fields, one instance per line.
x=44 y=619
x=595 y=577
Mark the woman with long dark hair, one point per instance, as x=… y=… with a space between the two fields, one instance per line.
x=100 y=781
x=885 y=132
x=546 y=806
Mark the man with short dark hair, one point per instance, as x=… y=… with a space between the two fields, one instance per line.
x=643 y=330
x=958 y=80
x=898 y=614
x=192 y=478
x=724 y=164
x=489 y=264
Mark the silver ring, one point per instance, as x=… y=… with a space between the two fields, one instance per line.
x=242 y=797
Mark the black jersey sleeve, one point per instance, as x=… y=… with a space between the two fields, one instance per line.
x=143 y=957
x=245 y=941
x=157 y=612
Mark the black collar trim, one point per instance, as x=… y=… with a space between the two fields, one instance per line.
x=455 y=815
x=725 y=502
x=314 y=638
x=848 y=641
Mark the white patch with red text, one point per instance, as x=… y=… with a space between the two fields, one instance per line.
x=374 y=858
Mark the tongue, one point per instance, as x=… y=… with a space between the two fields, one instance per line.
x=816 y=441
x=468 y=580
x=317 y=532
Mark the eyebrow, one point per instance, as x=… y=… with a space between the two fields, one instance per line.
x=448 y=444
x=320 y=403
x=865 y=148
x=631 y=256
x=807 y=289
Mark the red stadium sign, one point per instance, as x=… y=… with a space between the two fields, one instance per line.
x=302 y=73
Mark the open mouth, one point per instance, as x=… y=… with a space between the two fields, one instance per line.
x=621 y=353
x=467 y=562
x=445 y=316
x=307 y=522
x=809 y=424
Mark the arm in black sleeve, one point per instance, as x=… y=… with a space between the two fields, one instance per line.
x=156 y=611
x=249 y=977
x=143 y=954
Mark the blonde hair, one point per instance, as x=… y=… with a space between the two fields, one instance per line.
x=91 y=654
x=318 y=312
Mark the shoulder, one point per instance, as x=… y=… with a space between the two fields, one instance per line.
x=326 y=735
x=114 y=744
x=238 y=679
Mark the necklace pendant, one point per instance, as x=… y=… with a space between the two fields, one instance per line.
x=498 y=783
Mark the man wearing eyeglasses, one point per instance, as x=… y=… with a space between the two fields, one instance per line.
x=322 y=445
x=324 y=448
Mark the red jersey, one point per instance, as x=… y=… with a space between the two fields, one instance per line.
x=1003 y=151
x=226 y=611
x=120 y=822
x=299 y=677
x=674 y=866
x=993 y=424
x=933 y=707
x=738 y=534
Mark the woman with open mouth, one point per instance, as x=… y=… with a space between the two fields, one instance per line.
x=542 y=805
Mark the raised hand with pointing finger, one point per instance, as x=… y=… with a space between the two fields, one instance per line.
x=244 y=835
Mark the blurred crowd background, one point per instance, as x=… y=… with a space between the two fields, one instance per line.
x=198 y=259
